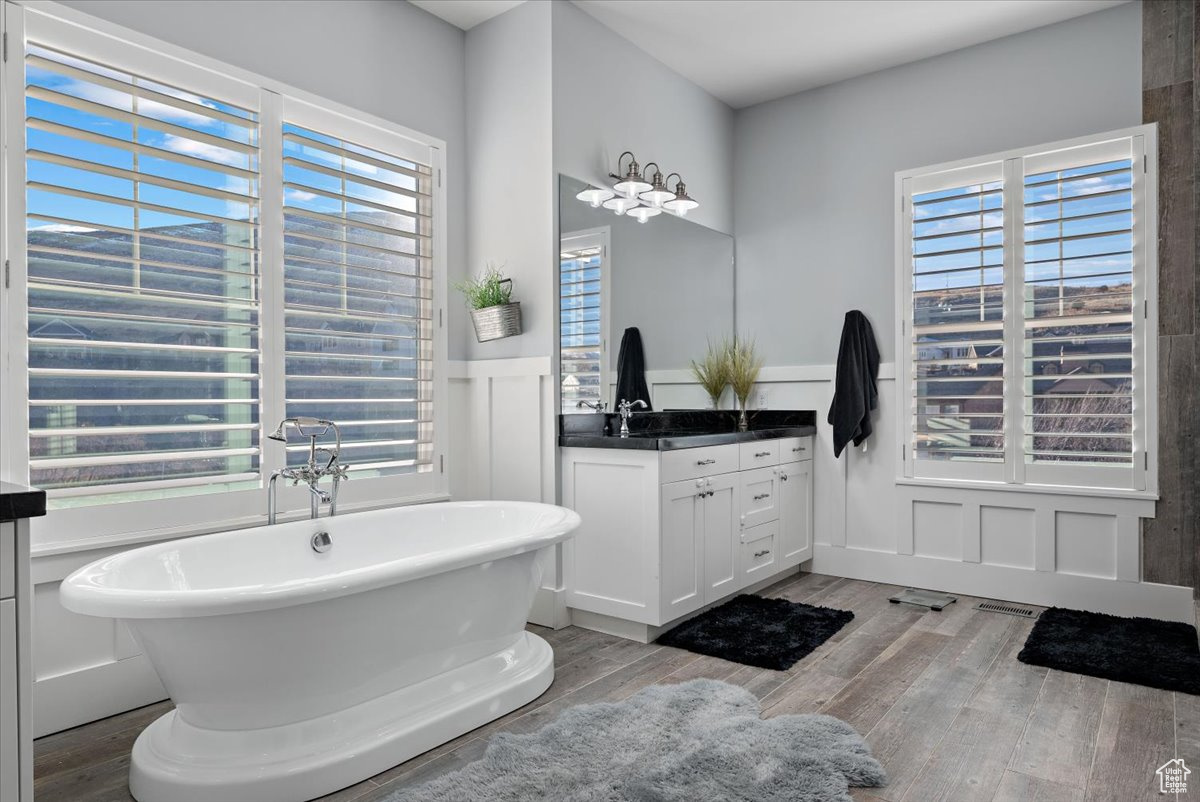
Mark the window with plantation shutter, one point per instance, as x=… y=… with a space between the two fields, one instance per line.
x=957 y=349
x=1028 y=280
x=583 y=276
x=1079 y=276
x=142 y=274
x=206 y=252
x=358 y=299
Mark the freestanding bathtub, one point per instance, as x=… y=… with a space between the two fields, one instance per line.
x=295 y=673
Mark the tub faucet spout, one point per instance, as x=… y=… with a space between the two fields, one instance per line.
x=310 y=473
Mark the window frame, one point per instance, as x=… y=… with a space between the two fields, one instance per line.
x=84 y=35
x=602 y=236
x=1014 y=473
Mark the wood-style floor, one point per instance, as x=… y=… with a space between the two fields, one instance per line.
x=941 y=698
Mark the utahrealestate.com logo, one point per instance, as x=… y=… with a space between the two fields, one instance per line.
x=1172 y=777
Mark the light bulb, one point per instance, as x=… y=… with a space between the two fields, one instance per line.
x=643 y=213
x=621 y=205
x=595 y=196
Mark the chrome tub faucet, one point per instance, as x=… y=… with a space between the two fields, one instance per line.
x=310 y=473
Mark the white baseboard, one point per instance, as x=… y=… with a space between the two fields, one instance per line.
x=550 y=608
x=1042 y=588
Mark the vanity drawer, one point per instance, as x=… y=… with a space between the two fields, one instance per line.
x=795 y=449
x=759 y=496
x=692 y=463
x=759 y=558
x=759 y=454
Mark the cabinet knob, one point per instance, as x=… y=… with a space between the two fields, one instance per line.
x=762 y=453
x=705 y=461
x=762 y=553
x=783 y=476
x=761 y=496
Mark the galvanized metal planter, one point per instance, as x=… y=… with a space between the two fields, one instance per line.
x=497 y=322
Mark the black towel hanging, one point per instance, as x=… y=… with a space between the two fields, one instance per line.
x=855 y=391
x=631 y=370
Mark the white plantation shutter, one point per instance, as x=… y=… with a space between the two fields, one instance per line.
x=1028 y=285
x=358 y=279
x=955 y=237
x=1082 y=268
x=143 y=284
x=582 y=278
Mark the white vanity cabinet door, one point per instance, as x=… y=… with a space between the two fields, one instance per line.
x=795 y=512
x=760 y=496
x=721 y=541
x=682 y=539
x=10 y=777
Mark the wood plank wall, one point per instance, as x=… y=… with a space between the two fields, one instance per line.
x=1170 y=73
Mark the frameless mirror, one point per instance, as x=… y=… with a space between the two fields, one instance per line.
x=670 y=278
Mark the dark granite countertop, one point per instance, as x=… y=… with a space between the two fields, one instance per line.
x=676 y=429
x=18 y=501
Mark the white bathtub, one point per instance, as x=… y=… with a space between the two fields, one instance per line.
x=296 y=673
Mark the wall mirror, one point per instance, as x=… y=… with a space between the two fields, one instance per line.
x=670 y=277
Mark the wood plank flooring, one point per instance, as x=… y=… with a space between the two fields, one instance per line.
x=940 y=697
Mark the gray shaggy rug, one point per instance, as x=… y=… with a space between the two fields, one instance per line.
x=701 y=741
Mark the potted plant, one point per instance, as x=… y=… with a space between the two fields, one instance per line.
x=493 y=311
x=744 y=365
x=712 y=371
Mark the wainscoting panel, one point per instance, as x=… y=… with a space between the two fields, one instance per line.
x=84 y=668
x=1006 y=537
x=504 y=446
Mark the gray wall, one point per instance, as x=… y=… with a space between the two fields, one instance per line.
x=511 y=205
x=814 y=172
x=610 y=96
x=410 y=70
x=670 y=277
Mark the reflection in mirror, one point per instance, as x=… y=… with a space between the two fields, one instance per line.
x=669 y=277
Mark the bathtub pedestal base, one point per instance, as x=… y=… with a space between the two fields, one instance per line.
x=174 y=761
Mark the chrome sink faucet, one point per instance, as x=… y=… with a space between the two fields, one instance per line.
x=594 y=406
x=626 y=410
x=310 y=473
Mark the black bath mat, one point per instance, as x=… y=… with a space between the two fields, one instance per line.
x=766 y=633
x=1144 y=651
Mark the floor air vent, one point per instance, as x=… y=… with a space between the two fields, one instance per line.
x=1007 y=609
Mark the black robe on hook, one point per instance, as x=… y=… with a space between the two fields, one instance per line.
x=631 y=370
x=855 y=392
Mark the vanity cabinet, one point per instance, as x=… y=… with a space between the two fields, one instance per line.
x=17 y=505
x=666 y=533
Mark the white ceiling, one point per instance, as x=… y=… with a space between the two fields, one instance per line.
x=466 y=14
x=750 y=51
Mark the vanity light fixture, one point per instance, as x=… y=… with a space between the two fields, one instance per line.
x=679 y=204
x=631 y=184
x=595 y=196
x=633 y=195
